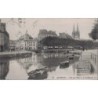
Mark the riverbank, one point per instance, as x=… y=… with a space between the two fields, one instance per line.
x=91 y=57
x=15 y=54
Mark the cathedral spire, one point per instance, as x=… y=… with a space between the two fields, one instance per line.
x=77 y=28
x=76 y=33
x=73 y=32
x=74 y=28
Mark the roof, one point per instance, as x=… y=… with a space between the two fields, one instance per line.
x=26 y=37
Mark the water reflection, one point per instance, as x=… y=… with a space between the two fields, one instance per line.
x=52 y=60
x=25 y=62
x=43 y=66
x=4 y=67
x=30 y=63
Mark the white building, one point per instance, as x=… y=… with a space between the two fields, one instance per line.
x=26 y=42
x=35 y=44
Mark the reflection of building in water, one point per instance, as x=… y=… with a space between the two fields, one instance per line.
x=29 y=63
x=53 y=55
x=52 y=60
x=4 y=68
x=25 y=62
x=38 y=61
x=4 y=38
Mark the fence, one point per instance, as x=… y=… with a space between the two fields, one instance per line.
x=94 y=58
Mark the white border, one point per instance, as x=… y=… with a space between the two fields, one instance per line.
x=49 y=9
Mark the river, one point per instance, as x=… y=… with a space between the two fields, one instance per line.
x=46 y=65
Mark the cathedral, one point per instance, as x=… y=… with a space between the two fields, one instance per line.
x=76 y=33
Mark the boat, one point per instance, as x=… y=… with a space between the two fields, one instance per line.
x=38 y=74
x=70 y=56
x=64 y=64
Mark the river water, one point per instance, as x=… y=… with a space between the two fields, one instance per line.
x=44 y=66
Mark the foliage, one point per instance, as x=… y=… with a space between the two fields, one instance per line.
x=94 y=32
x=56 y=41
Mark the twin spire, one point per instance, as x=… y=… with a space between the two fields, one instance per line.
x=76 y=33
x=74 y=27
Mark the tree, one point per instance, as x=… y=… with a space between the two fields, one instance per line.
x=56 y=41
x=94 y=32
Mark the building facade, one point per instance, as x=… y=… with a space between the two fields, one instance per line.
x=35 y=44
x=26 y=42
x=4 y=38
x=43 y=33
x=12 y=45
x=76 y=33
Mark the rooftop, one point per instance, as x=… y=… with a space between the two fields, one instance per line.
x=26 y=36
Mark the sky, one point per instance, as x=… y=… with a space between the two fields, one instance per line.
x=17 y=27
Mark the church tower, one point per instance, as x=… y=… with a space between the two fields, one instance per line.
x=73 y=32
x=76 y=33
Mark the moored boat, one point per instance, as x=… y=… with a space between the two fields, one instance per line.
x=64 y=64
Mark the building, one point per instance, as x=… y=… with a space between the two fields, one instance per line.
x=35 y=44
x=43 y=33
x=12 y=45
x=65 y=35
x=26 y=42
x=4 y=38
x=76 y=33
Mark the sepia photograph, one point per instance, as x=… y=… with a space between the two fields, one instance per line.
x=48 y=48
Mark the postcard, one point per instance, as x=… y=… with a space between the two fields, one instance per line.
x=48 y=49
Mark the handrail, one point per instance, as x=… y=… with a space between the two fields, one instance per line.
x=94 y=58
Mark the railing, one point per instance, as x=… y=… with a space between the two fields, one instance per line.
x=94 y=58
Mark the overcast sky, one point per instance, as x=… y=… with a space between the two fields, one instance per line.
x=32 y=25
